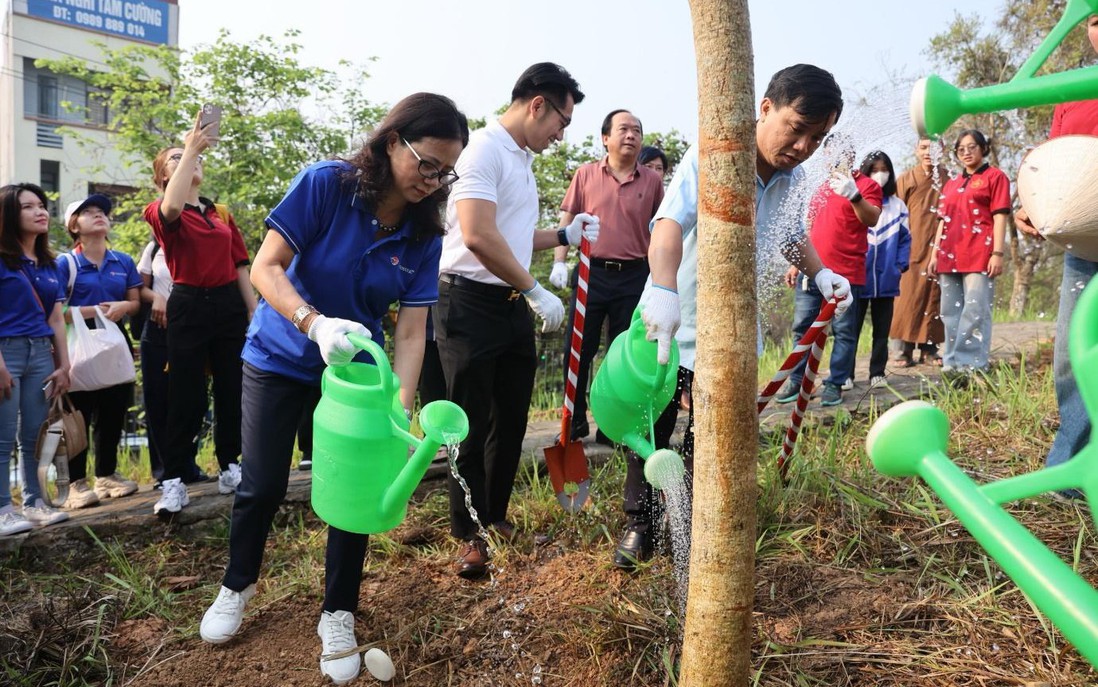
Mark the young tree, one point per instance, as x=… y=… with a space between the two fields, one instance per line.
x=717 y=639
x=266 y=136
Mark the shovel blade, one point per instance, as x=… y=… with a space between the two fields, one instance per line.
x=567 y=463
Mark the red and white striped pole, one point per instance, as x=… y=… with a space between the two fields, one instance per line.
x=811 y=344
x=577 y=340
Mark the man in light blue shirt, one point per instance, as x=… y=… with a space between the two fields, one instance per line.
x=801 y=105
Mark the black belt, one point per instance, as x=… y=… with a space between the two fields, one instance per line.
x=501 y=291
x=619 y=265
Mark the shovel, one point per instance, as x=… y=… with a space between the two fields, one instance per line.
x=565 y=460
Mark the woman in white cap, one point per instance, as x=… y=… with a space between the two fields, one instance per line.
x=98 y=278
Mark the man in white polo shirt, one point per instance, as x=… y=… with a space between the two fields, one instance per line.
x=487 y=297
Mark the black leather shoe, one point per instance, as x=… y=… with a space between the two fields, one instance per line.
x=633 y=548
x=472 y=559
x=601 y=438
x=580 y=430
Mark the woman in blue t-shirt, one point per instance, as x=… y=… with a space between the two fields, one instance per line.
x=34 y=359
x=105 y=280
x=349 y=238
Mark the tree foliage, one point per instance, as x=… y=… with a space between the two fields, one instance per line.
x=267 y=135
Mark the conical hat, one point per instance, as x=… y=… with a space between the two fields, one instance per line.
x=1058 y=187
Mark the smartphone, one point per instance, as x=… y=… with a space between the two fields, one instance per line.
x=210 y=120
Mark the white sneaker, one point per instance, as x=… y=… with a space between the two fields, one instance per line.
x=12 y=522
x=229 y=479
x=878 y=379
x=337 y=634
x=114 y=486
x=223 y=617
x=42 y=515
x=173 y=498
x=848 y=385
x=80 y=496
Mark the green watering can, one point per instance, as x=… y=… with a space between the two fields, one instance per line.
x=936 y=104
x=910 y=439
x=362 y=475
x=629 y=392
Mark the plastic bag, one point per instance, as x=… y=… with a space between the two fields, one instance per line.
x=99 y=357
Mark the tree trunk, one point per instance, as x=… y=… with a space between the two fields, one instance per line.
x=718 y=635
x=1025 y=256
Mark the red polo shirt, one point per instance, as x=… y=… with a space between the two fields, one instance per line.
x=1075 y=118
x=968 y=204
x=836 y=232
x=200 y=249
x=624 y=208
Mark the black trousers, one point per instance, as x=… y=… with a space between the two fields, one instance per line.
x=154 y=391
x=486 y=344
x=640 y=503
x=204 y=326
x=611 y=296
x=273 y=405
x=104 y=413
x=432 y=380
x=881 y=312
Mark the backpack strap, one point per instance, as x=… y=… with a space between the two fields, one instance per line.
x=223 y=212
x=71 y=259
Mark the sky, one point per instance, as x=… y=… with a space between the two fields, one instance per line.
x=634 y=54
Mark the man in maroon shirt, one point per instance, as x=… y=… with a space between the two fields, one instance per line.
x=624 y=195
x=839 y=217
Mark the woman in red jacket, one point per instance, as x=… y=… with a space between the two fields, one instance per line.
x=968 y=254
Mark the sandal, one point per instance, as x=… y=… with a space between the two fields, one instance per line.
x=933 y=359
x=905 y=361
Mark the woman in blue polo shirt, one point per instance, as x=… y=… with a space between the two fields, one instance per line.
x=104 y=280
x=349 y=238
x=34 y=359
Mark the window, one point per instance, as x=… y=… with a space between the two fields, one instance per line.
x=62 y=98
x=49 y=178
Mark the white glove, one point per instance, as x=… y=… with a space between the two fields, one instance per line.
x=831 y=286
x=661 y=316
x=559 y=276
x=330 y=335
x=844 y=185
x=583 y=226
x=546 y=306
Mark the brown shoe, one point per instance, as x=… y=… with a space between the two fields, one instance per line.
x=505 y=530
x=472 y=559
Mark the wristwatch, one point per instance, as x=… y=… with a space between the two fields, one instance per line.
x=300 y=314
x=562 y=236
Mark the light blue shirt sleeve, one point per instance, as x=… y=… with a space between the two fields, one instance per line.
x=680 y=202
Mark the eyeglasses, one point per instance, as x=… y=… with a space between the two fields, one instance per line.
x=961 y=150
x=431 y=171
x=179 y=156
x=564 y=118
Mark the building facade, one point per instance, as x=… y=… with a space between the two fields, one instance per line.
x=35 y=102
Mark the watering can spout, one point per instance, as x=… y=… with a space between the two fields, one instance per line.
x=444 y=424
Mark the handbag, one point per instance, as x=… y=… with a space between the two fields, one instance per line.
x=99 y=357
x=62 y=437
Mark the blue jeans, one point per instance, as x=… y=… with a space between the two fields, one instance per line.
x=966 y=314
x=1074 y=432
x=844 y=332
x=29 y=362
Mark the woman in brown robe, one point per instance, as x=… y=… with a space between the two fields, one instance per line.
x=916 y=320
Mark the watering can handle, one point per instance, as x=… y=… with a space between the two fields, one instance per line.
x=380 y=359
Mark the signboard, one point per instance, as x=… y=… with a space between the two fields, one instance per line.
x=143 y=20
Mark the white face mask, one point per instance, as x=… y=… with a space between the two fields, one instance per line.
x=880 y=177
